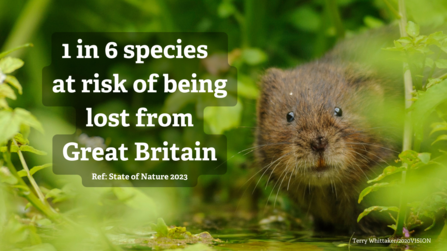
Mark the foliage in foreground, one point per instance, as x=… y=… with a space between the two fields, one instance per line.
x=419 y=52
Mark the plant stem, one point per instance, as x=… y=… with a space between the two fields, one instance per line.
x=408 y=129
x=336 y=19
x=392 y=9
x=39 y=205
x=28 y=21
x=30 y=177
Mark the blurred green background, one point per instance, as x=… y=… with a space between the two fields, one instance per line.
x=261 y=34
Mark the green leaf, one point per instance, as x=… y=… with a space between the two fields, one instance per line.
x=436 y=38
x=11 y=121
x=9 y=126
x=305 y=18
x=38 y=168
x=7 y=177
x=225 y=9
x=14 y=49
x=177 y=100
x=254 y=56
x=412 y=29
x=433 y=81
x=342 y=245
x=440 y=126
x=3 y=103
x=20 y=139
x=14 y=83
x=22 y=173
x=424 y=157
x=25 y=130
x=420 y=39
x=7 y=91
x=27 y=148
x=408 y=156
x=28 y=119
x=161 y=228
x=405 y=40
x=373 y=22
x=220 y=119
x=246 y=87
x=22 y=188
x=23 y=148
x=387 y=172
x=424 y=106
x=9 y=64
x=376 y=208
x=392 y=227
x=372 y=188
x=440 y=138
x=53 y=193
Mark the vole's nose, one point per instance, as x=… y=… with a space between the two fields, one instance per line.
x=319 y=144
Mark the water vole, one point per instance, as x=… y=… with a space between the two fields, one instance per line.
x=319 y=136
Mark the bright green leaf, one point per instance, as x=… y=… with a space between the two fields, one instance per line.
x=220 y=119
x=432 y=82
x=177 y=100
x=26 y=148
x=373 y=22
x=306 y=18
x=405 y=40
x=246 y=87
x=254 y=56
x=7 y=177
x=424 y=106
x=342 y=245
x=440 y=126
x=14 y=49
x=11 y=121
x=14 y=83
x=387 y=172
x=372 y=188
x=28 y=119
x=226 y=9
x=9 y=64
x=22 y=173
x=392 y=227
x=376 y=208
x=161 y=228
x=7 y=91
x=38 y=168
x=412 y=29
x=424 y=157
x=440 y=138
x=20 y=139
x=9 y=126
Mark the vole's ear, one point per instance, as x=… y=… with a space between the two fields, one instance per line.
x=270 y=79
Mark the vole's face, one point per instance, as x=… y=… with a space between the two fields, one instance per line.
x=311 y=128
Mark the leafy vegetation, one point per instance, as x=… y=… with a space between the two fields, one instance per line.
x=417 y=53
x=43 y=211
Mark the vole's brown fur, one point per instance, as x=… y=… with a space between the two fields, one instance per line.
x=326 y=183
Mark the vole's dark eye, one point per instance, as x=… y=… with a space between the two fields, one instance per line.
x=338 y=112
x=290 y=117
